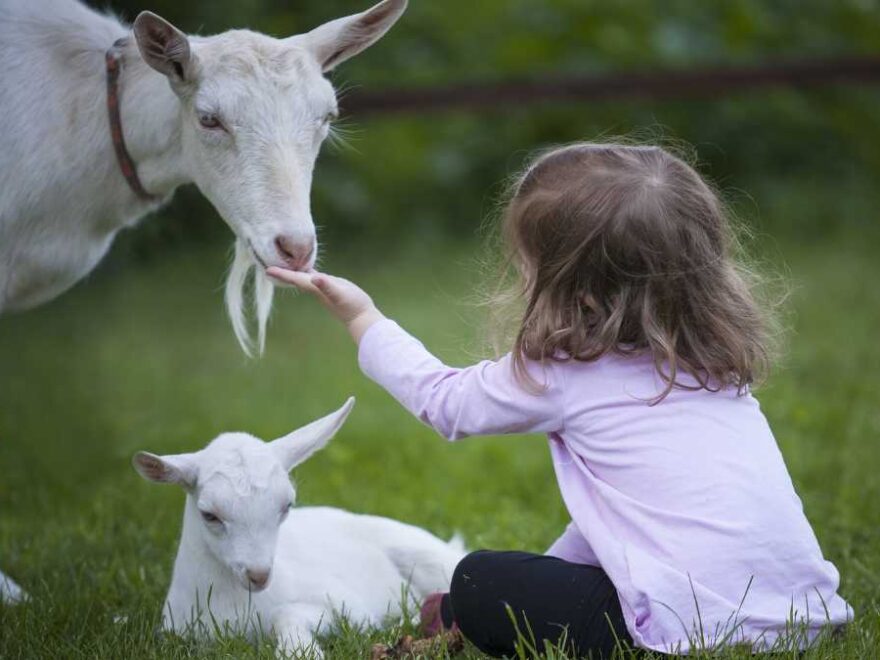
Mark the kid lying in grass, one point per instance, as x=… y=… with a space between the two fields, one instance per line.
x=636 y=351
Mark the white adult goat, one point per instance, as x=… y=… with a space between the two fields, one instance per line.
x=240 y=114
x=251 y=562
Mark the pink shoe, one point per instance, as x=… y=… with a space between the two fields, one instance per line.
x=430 y=618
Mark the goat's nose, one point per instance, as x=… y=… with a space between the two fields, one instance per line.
x=295 y=253
x=258 y=577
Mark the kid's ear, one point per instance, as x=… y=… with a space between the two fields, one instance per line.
x=336 y=41
x=164 y=47
x=294 y=448
x=177 y=469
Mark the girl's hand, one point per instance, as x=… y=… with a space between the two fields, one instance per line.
x=345 y=300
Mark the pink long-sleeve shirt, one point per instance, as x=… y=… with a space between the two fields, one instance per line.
x=687 y=505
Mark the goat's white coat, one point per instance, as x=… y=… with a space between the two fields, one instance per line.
x=63 y=198
x=323 y=561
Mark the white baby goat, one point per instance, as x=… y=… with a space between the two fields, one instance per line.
x=252 y=563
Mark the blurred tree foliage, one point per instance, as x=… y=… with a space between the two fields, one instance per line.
x=809 y=159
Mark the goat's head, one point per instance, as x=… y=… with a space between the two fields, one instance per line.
x=239 y=492
x=254 y=111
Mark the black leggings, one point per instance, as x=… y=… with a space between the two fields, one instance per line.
x=549 y=598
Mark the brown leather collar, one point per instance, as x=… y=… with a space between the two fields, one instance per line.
x=113 y=59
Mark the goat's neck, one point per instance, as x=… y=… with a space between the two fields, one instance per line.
x=196 y=568
x=200 y=584
x=151 y=116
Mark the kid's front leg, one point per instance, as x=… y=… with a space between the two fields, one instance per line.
x=294 y=629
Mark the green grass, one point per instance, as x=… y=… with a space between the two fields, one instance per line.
x=141 y=357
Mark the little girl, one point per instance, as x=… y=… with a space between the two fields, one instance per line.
x=635 y=354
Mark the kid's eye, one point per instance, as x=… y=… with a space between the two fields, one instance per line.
x=209 y=517
x=330 y=117
x=286 y=509
x=210 y=121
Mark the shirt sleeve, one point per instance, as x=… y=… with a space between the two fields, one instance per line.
x=483 y=399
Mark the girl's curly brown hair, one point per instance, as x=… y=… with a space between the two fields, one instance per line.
x=625 y=249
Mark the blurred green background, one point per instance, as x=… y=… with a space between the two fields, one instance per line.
x=140 y=355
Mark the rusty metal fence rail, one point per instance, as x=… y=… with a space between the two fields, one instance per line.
x=659 y=84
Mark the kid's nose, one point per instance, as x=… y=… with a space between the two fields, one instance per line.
x=258 y=577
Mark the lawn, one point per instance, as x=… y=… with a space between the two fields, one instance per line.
x=141 y=357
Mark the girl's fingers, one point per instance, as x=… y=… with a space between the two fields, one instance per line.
x=302 y=281
x=317 y=284
x=326 y=285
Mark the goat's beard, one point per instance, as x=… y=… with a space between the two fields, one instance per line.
x=236 y=284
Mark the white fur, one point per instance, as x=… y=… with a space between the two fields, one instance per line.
x=62 y=195
x=10 y=592
x=322 y=561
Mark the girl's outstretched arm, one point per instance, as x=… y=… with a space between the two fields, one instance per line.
x=479 y=400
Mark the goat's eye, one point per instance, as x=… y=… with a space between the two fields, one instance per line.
x=286 y=509
x=209 y=517
x=210 y=121
x=330 y=117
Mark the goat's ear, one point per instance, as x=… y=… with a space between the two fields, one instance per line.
x=164 y=47
x=336 y=41
x=296 y=447
x=177 y=469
